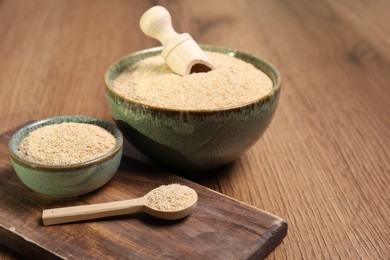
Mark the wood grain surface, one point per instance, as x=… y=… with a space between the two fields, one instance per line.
x=323 y=164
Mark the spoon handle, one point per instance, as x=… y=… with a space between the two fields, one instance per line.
x=92 y=211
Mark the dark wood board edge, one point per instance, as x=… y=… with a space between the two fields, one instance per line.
x=280 y=226
x=24 y=246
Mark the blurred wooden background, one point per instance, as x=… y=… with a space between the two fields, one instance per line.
x=323 y=164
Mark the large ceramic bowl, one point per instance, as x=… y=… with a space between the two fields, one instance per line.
x=192 y=140
x=65 y=181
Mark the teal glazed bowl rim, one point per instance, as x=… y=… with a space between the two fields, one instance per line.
x=18 y=136
x=126 y=62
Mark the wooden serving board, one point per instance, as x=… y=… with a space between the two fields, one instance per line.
x=219 y=228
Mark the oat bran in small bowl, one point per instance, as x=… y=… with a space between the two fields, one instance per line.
x=66 y=156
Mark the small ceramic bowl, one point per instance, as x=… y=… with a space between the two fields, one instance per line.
x=192 y=141
x=71 y=180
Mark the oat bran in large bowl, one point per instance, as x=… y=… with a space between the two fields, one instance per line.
x=196 y=122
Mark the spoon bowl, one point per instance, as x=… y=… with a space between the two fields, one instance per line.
x=168 y=202
x=169 y=215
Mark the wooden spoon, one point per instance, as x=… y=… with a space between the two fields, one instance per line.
x=168 y=202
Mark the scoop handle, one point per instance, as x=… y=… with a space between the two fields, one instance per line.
x=180 y=52
x=92 y=211
x=157 y=23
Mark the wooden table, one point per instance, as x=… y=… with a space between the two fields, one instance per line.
x=323 y=164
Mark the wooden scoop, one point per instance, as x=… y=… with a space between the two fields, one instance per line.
x=172 y=206
x=181 y=53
